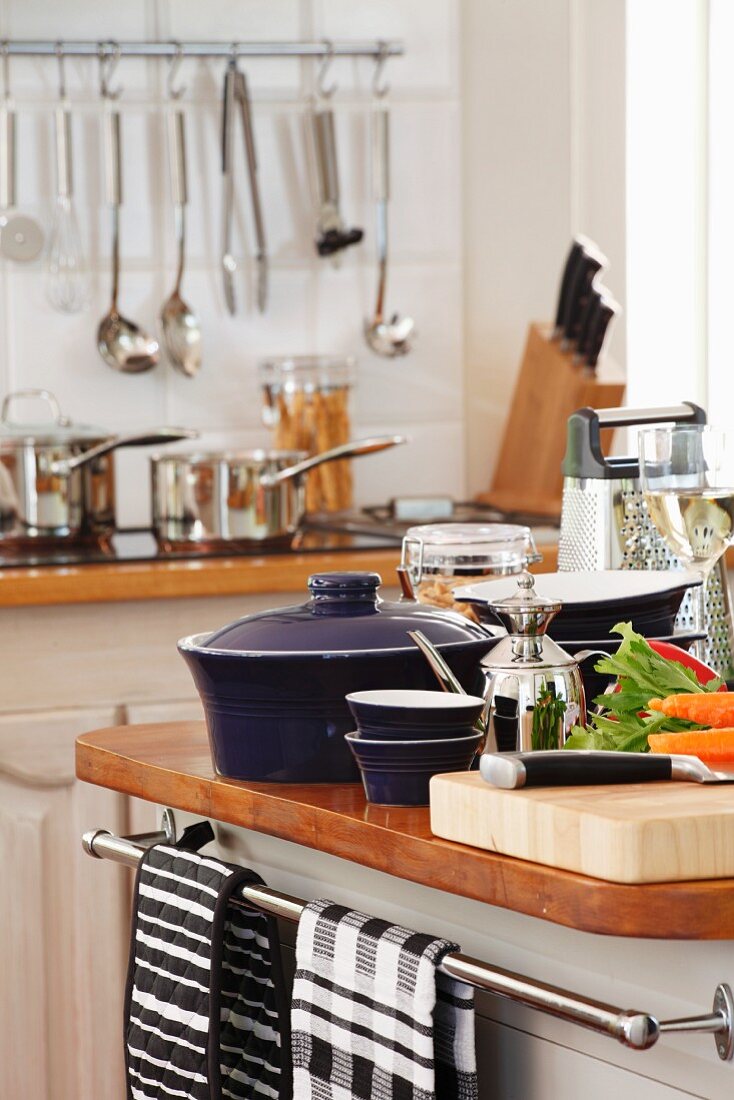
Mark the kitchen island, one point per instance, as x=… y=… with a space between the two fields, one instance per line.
x=326 y=841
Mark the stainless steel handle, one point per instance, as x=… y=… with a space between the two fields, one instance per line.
x=346 y=450
x=177 y=157
x=7 y=157
x=113 y=166
x=326 y=163
x=637 y=1030
x=243 y=98
x=443 y=673
x=43 y=395
x=628 y=418
x=64 y=173
x=136 y=439
x=380 y=155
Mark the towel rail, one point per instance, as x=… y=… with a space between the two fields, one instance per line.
x=637 y=1030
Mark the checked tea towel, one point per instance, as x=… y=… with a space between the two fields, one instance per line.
x=205 y=1013
x=372 y=1018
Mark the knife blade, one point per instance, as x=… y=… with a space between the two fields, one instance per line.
x=579 y=768
x=591 y=263
x=228 y=262
x=242 y=95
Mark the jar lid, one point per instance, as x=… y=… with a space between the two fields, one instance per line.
x=307 y=373
x=344 y=615
x=468 y=548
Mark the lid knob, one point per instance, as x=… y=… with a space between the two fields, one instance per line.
x=344 y=586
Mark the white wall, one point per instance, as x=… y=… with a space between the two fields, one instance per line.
x=544 y=157
x=312 y=307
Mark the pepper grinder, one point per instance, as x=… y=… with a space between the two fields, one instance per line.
x=533 y=688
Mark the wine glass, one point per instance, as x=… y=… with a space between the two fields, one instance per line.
x=687 y=477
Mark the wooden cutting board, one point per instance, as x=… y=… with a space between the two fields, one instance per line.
x=633 y=833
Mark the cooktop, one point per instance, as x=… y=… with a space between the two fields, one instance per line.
x=139 y=545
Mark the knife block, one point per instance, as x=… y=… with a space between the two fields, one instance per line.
x=550 y=386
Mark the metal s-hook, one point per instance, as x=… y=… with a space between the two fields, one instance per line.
x=174 y=66
x=380 y=87
x=324 y=90
x=109 y=58
x=62 y=75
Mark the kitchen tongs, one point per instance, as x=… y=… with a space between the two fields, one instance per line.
x=236 y=93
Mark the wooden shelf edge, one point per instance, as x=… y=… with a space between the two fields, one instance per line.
x=336 y=821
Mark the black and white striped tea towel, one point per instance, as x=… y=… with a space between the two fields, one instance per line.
x=205 y=1013
x=372 y=1017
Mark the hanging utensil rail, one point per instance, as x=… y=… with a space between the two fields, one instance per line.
x=324 y=48
x=638 y=1030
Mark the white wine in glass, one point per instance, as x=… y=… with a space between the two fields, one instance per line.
x=687 y=477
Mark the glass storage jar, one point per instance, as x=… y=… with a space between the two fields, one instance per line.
x=439 y=557
x=307 y=403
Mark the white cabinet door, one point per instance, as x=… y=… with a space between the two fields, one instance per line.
x=64 y=917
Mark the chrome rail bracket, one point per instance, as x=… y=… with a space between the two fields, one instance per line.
x=719 y=1023
x=168 y=825
x=724 y=1006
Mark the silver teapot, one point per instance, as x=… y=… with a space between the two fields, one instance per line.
x=534 y=689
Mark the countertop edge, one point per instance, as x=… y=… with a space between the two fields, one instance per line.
x=701 y=910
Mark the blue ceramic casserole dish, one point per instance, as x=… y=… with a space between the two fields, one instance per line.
x=273 y=684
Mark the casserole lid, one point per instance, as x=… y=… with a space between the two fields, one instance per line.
x=344 y=615
x=57 y=430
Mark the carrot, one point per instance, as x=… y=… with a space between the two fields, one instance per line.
x=705 y=709
x=713 y=746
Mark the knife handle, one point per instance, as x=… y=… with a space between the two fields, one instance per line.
x=568 y=768
x=587 y=323
x=578 y=294
x=574 y=256
x=597 y=339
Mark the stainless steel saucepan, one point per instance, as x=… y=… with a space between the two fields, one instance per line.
x=57 y=478
x=240 y=498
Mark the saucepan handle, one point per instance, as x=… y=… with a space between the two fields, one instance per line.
x=137 y=439
x=346 y=450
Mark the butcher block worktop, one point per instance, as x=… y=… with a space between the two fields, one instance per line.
x=169 y=764
x=241 y=575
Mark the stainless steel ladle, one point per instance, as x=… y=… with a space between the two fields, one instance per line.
x=392 y=337
x=121 y=343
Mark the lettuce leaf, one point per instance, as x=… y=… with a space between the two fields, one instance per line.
x=642 y=674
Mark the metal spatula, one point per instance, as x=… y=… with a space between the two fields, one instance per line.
x=568 y=768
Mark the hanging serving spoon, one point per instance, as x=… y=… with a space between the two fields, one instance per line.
x=180 y=326
x=121 y=343
x=392 y=337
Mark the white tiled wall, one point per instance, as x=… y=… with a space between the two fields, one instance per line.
x=312 y=308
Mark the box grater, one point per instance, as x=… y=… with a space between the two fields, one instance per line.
x=605 y=523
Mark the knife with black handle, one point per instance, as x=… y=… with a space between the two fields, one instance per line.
x=572 y=260
x=580 y=768
x=588 y=322
x=606 y=312
x=587 y=269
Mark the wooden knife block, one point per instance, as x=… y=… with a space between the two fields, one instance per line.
x=550 y=386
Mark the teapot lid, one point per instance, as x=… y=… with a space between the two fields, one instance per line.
x=525 y=612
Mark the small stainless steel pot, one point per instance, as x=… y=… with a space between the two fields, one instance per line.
x=237 y=499
x=57 y=478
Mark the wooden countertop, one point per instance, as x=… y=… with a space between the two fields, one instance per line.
x=170 y=764
x=103 y=582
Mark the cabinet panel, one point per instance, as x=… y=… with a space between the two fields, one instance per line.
x=64 y=924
